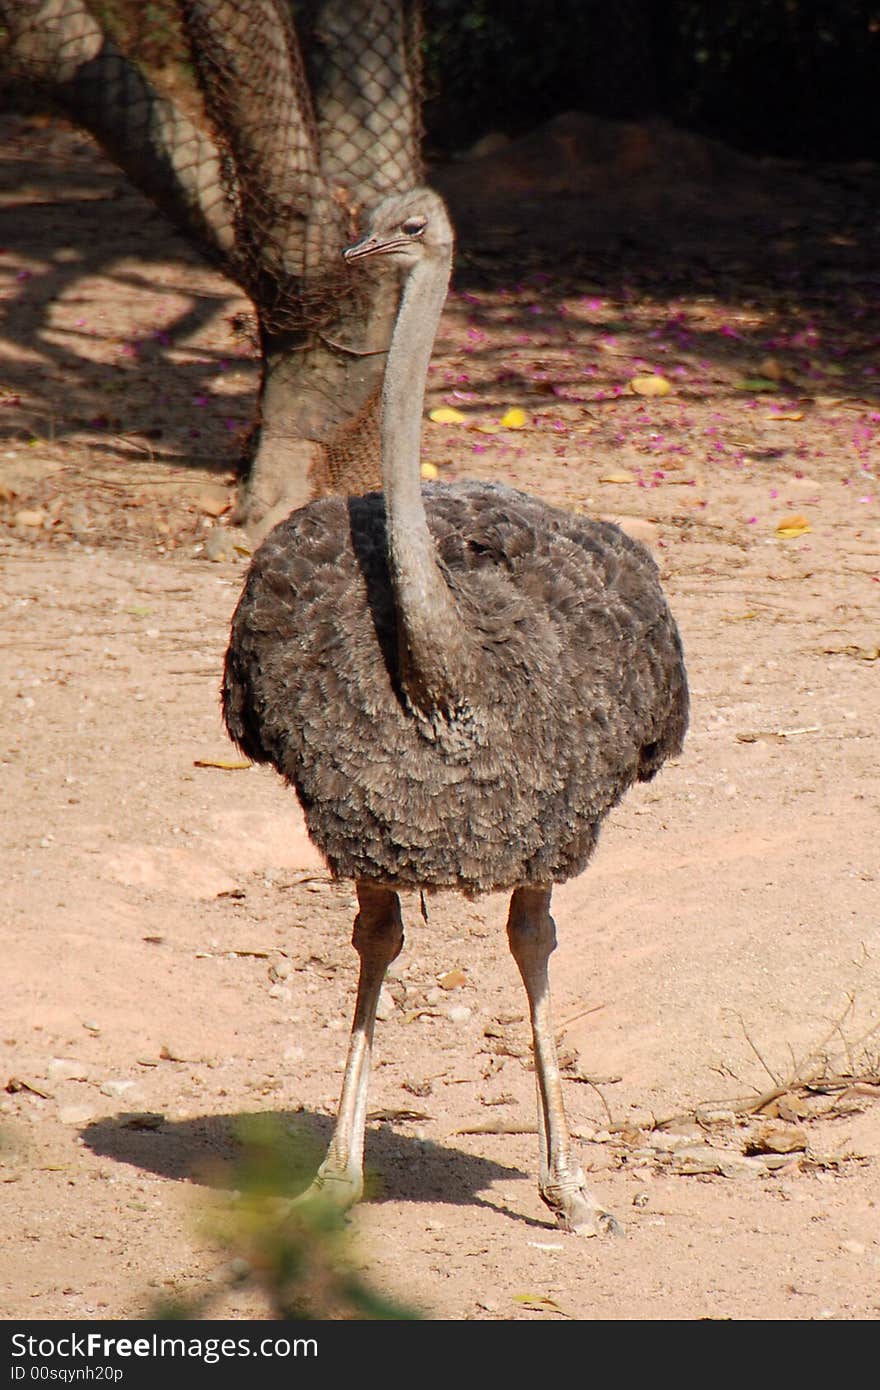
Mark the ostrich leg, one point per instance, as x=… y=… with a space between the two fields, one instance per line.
x=377 y=938
x=531 y=932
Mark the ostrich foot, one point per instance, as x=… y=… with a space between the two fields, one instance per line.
x=336 y=1187
x=575 y=1207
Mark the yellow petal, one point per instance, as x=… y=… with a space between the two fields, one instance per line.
x=430 y=471
x=791 y=526
x=650 y=386
x=488 y=429
x=446 y=415
x=515 y=418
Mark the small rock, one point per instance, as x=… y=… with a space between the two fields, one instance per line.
x=280 y=970
x=458 y=1013
x=668 y=1143
x=29 y=517
x=709 y=1116
x=214 y=500
x=852 y=1247
x=777 y=1139
x=116 y=1088
x=418 y=1088
x=67 y=1069
x=386 y=1006
x=693 y=1161
x=76 y=1114
x=225 y=543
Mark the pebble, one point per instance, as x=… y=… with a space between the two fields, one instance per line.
x=458 y=1013
x=708 y=1160
x=386 y=1006
x=76 y=1114
x=67 y=1069
x=225 y=543
x=116 y=1088
x=214 y=500
x=28 y=517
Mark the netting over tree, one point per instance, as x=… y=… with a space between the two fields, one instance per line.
x=311 y=112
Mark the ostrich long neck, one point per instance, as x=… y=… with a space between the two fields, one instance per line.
x=435 y=648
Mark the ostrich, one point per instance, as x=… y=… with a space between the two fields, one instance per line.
x=460 y=682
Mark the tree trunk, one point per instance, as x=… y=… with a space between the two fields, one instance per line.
x=318 y=426
x=301 y=142
x=60 y=47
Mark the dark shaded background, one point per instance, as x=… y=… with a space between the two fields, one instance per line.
x=797 y=78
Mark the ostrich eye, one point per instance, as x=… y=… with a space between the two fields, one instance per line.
x=414 y=226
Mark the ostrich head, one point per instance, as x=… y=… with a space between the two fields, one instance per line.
x=411 y=228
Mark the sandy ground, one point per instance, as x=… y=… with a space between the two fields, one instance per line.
x=175 y=958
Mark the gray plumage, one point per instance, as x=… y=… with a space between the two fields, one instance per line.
x=459 y=682
x=581 y=688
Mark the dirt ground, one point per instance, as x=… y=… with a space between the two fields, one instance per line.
x=174 y=956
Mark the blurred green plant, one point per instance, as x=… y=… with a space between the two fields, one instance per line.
x=296 y=1255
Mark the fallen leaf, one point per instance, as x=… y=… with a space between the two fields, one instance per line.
x=453 y=979
x=791 y=526
x=392 y=1115
x=539 y=1303
x=757 y=383
x=785 y=415
x=620 y=477
x=775 y=735
x=650 y=386
x=17 y=1083
x=488 y=429
x=860 y=653
x=515 y=418
x=227 y=764
x=446 y=415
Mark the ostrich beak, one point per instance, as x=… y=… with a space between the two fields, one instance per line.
x=375 y=246
x=367 y=247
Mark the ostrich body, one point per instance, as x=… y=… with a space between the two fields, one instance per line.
x=460 y=682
